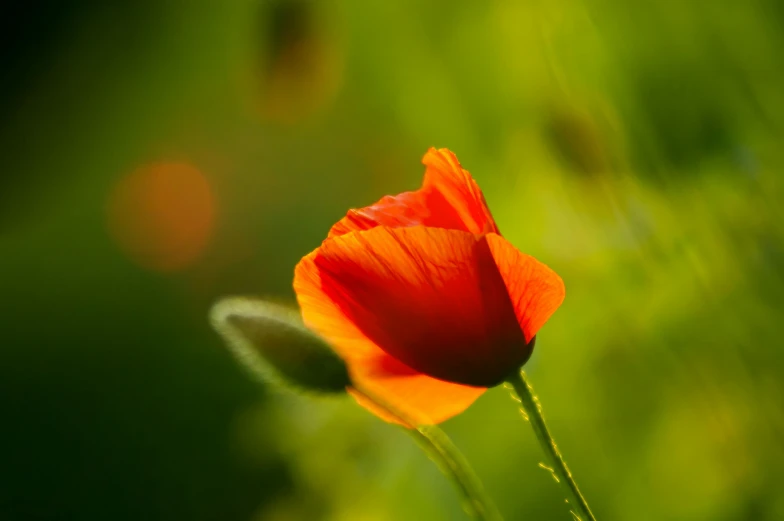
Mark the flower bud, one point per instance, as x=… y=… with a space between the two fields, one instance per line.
x=271 y=341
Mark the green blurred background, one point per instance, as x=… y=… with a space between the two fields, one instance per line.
x=636 y=148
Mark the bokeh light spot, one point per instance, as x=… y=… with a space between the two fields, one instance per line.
x=162 y=215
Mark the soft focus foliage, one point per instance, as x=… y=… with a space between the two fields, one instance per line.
x=632 y=147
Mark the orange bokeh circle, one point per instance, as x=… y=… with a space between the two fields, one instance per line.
x=162 y=215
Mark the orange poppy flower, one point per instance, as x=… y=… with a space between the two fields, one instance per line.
x=426 y=302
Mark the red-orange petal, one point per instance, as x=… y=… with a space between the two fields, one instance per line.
x=535 y=290
x=398 y=211
x=431 y=298
x=453 y=195
x=449 y=198
x=423 y=399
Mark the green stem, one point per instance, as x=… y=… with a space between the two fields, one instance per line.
x=533 y=410
x=440 y=449
x=452 y=463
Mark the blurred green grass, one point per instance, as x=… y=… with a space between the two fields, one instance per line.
x=633 y=148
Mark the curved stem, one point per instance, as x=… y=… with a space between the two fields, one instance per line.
x=533 y=410
x=449 y=460
x=452 y=463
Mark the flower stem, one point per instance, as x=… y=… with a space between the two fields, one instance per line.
x=533 y=410
x=440 y=449
x=454 y=465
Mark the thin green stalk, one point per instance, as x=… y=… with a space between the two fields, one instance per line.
x=533 y=410
x=476 y=503
x=452 y=463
